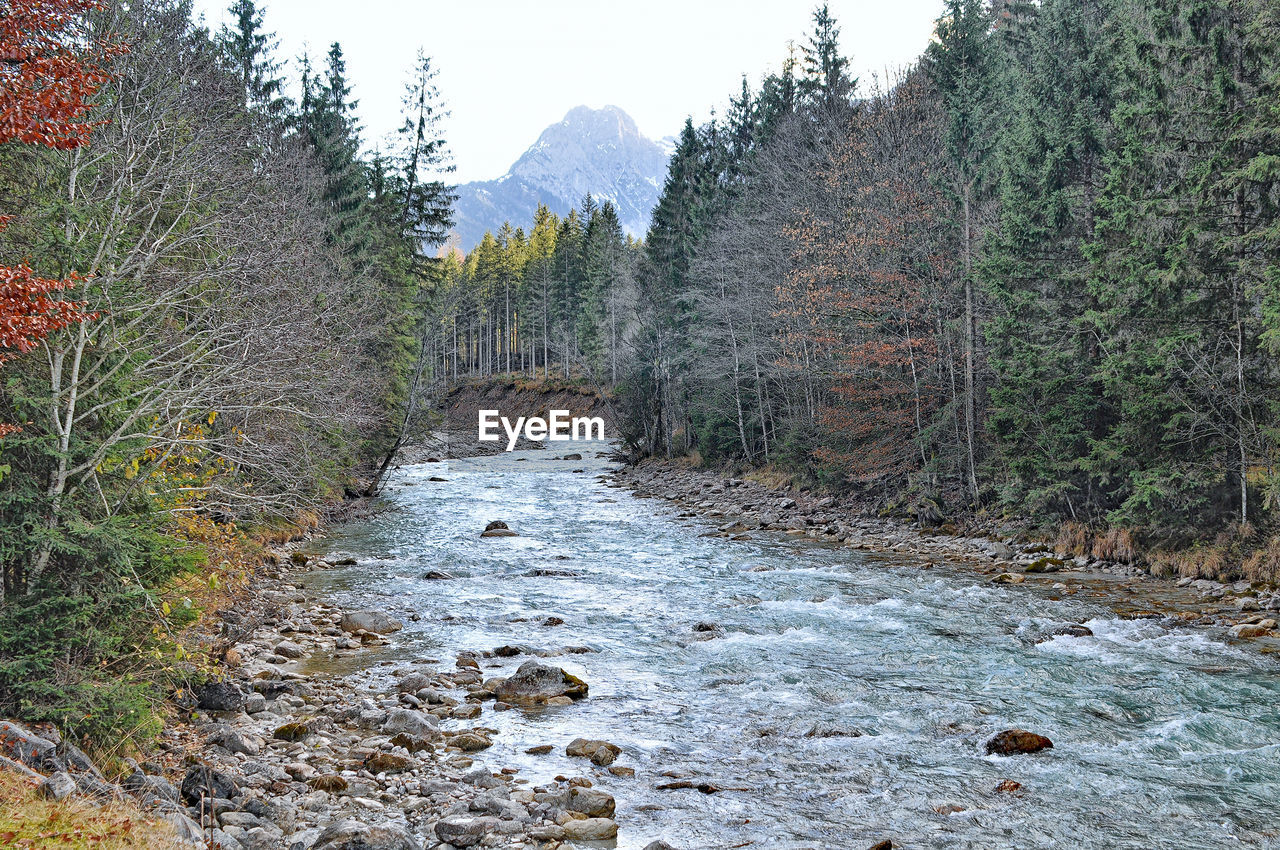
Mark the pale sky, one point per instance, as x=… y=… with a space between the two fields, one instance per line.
x=509 y=68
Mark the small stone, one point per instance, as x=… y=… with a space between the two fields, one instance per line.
x=1008 y=578
x=540 y=750
x=1008 y=786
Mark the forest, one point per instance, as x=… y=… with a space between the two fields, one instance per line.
x=209 y=314
x=1033 y=276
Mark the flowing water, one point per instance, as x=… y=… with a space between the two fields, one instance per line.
x=849 y=695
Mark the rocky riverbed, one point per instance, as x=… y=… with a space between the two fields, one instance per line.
x=276 y=756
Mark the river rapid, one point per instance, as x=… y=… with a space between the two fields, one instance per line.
x=845 y=697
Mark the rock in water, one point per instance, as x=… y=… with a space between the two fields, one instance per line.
x=495 y=525
x=371 y=621
x=1012 y=742
x=498 y=532
x=537 y=683
x=1252 y=630
x=600 y=752
x=353 y=835
x=591 y=802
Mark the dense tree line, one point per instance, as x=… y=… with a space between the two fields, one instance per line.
x=1035 y=273
x=217 y=303
x=555 y=303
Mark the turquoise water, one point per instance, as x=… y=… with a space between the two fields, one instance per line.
x=849 y=695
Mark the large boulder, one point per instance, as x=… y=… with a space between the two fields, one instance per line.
x=202 y=784
x=1012 y=742
x=464 y=831
x=27 y=748
x=58 y=786
x=141 y=784
x=221 y=696
x=370 y=621
x=415 y=724
x=353 y=835
x=536 y=683
x=591 y=829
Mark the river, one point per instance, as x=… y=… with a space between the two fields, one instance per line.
x=848 y=694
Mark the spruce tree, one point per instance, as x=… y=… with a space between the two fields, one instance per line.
x=249 y=50
x=1046 y=403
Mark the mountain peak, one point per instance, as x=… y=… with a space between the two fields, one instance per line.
x=596 y=151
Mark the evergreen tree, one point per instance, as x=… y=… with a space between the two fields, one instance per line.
x=328 y=120
x=424 y=159
x=826 y=82
x=1045 y=405
x=249 y=50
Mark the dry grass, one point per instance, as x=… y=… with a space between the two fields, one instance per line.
x=28 y=821
x=770 y=476
x=1209 y=562
x=1263 y=564
x=1115 y=545
x=1073 y=539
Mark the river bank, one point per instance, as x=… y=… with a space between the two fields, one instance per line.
x=740 y=508
x=279 y=753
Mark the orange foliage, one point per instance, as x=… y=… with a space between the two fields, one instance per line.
x=47 y=75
